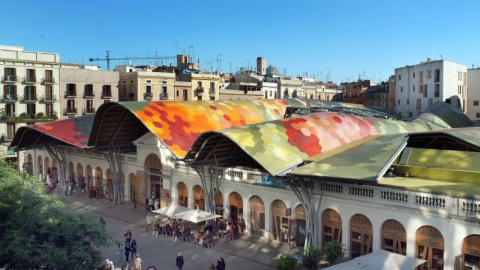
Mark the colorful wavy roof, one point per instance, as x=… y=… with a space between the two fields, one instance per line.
x=282 y=144
x=73 y=131
x=179 y=123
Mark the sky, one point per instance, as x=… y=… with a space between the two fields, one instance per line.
x=339 y=40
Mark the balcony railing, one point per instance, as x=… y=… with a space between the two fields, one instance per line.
x=9 y=78
x=147 y=96
x=48 y=99
x=88 y=94
x=48 y=80
x=9 y=97
x=70 y=93
x=88 y=111
x=107 y=94
x=29 y=79
x=211 y=91
x=29 y=98
x=200 y=90
x=70 y=111
x=163 y=96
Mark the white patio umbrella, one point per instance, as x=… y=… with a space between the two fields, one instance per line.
x=197 y=215
x=172 y=210
x=379 y=260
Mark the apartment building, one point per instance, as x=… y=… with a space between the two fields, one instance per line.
x=144 y=84
x=205 y=86
x=85 y=88
x=30 y=83
x=418 y=87
x=473 y=104
x=290 y=87
x=329 y=91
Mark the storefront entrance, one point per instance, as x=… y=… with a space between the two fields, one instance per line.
x=470 y=253
x=394 y=237
x=429 y=247
x=280 y=222
x=332 y=227
x=257 y=216
x=361 y=233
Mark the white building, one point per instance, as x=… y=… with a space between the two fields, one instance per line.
x=419 y=86
x=473 y=106
x=30 y=91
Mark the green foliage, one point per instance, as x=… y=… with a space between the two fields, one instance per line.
x=286 y=263
x=310 y=257
x=333 y=251
x=39 y=230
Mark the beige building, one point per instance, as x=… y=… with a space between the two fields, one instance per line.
x=205 y=86
x=30 y=91
x=85 y=89
x=143 y=84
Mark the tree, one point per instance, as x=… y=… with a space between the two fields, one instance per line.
x=333 y=251
x=40 y=231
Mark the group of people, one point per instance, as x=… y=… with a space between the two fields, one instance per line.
x=220 y=265
x=152 y=204
x=129 y=248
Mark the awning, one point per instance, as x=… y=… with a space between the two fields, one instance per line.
x=379 y=260
x=180 y=212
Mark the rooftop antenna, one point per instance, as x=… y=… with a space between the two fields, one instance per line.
x=441 y=58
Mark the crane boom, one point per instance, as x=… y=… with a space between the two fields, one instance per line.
x=108 y=58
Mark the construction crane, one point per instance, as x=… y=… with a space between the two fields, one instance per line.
x=108 y=58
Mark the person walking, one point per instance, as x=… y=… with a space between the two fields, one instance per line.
x=220 y=264
x=179 y=261
x=156 y=203
x=120 y=252
x=138 y=262
x=211 y=266
x=150 y=204
x=149 y=220
x=127 y=250
x=133 y=248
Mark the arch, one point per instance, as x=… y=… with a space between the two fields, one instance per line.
x=199 y=198
x=236 y=211
x=71 y=171
x=471 y=250
x=430 y=247
x=257 y=216
x=40 y=168
x=394 y=237
x=80 y=169
x=152 y=161
x=332 y=226
x=89 y=178
x=182 y=194
x=98 y=188
x=301 y=224
x=133 y=190
x=29 y=163
x=361 y=233
x=280 y=220
x=219 y=204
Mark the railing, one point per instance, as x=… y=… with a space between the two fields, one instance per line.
x=27 y=98
x=70 y=111
x=211 y=91
x=163 y=96
x=147 y=96
x=106 y=94
x=200 y=90
x=88 y=110
x=9 y=97
x=70 y=93
x=9 y=78
x=88 y=94
x=29 y=79
x=48 y=98
x=48 y=80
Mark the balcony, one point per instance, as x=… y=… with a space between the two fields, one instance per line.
x=88 y=94
x=29 y=98
x=9 y=98
x=88 y=111
x=70 y=93
x=211 y=92
x=107 y=94
x=48 y=80
x=163 y=96
x=9 y=79
x=29 y=80
x=48 y=99
x=199 y=91
x=70 y=111
x=147 y=96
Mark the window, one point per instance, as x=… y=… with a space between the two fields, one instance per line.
x=401 y=89
x=459 y=89
x=425 y=90
x=177 y=93
x=10 y=75
x=10 y=130
x=398 y=101
x=148 y=89
x=89 y=106
x=10 y=92
x=148 y=81
x=107 y=91
x=30 y=76
x=419 y=104
x=436 y=92
x=459 y=75
x=49 y=76
x=71 y=89
x=414 y=88
x=399 y=77
x=420 y=79
x=414 y=75
x=49 y=109
x=408 y=101
x=430 y=102
x=31 y=112
x=10 y=110
x=71 y=106
x=185 y=94
x=437 y=75
x=459 y=103
x=475 y=103
x=49 y=93
x=477 y=115
x=429 y=74
x=89 y=90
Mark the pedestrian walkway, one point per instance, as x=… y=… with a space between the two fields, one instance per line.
x=247 y=252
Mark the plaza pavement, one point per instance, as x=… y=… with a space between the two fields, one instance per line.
x=246 y=252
